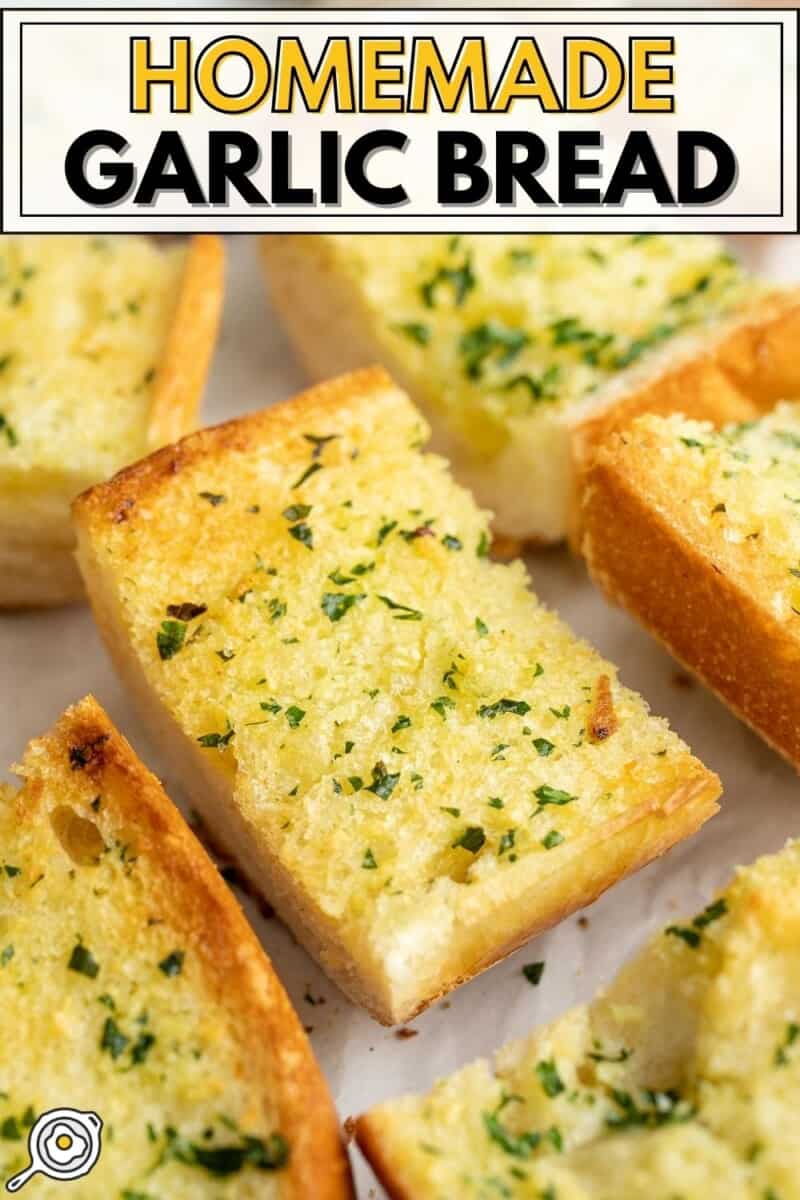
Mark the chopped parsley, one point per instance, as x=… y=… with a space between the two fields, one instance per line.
x=170 y=638
x=303 y=534
x=441 y=705
x=517 y=1145
x=490 y=340
x=506 y=842
x=383 y=784
x=217 y=741
x=541 y=388
x=549 y=1078
x=336 y=604
x=384 y=531
x=490 y=711
x=402 y=722
x=543 y=748
x=319 y=442
x=552 y=839
x=213 y=498
x=83 y=961
x=113 y=1039
x=368 y=862
x=452 y=543
x=781 y=1058
x=7 y=429
x=472 y=839
x=268 y=1154
x=652 y=1110
x=460 y=279
x=310 y=470
x=402 y=611
x=296 y=512
x=550 y=795
x=294 y=715
x=173 y=964
x=691 y=934
x=416 y=331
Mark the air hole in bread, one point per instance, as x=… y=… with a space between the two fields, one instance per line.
x=79 y=837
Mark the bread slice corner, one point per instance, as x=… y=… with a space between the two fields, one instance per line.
x=736 y=372
x=691 y=529
x=105 y=348
x=132 y=986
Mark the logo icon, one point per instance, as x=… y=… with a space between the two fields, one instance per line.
x=63 y=1144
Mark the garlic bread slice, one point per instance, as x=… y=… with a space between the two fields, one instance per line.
x=682 y=1080
x=417 y=763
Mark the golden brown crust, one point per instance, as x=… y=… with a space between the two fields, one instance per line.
x=117 y=499
x=645 y=561
x=739 y=372
x=370 y=1141
x=239 y=974
x=190 y=343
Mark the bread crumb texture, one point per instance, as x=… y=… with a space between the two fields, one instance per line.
x=405 y=728
x=683 y=1080
x=83 y=321
x=502 y=329
x=109 y=997
x=739 y=490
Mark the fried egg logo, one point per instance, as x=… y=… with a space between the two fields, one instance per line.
x=63 y=1144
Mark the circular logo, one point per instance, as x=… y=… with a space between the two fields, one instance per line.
x=64 y=1144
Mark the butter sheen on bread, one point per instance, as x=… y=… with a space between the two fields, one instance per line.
x=132 y=986
x=696 y=532
x=104 y=347
x=418 y=764
x=509 y=343
x=682 y=1079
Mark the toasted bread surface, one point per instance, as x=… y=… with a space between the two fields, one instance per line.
x=506 y=342
x=104 y=348
x=384 y=727
x=695 y=532
x=736 y=372
x=682 y=1079
x=133 y=987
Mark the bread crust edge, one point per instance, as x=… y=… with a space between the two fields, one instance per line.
x=236 y=967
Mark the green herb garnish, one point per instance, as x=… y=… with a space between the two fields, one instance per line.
x=336 y=604
x=173 y=964
x=472 y=839
x=82 y=961
x=170 y=638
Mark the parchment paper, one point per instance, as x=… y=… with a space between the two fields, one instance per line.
x=50 y=659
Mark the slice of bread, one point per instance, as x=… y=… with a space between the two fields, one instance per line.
x=132 y=986
x=104 y=348
x=697 y=534
x=682 y=1080
x=417 y=764
x=513 y=345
